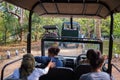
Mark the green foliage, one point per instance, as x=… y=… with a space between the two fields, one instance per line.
x=116 y=48
x=9 y=24
x=117 y=25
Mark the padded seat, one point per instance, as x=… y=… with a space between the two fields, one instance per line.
x=82 y=69
x=59 y=74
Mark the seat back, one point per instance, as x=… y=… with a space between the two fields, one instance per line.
x=59 y=74
x=81 y=69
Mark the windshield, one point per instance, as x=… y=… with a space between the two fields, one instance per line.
x=70 y=48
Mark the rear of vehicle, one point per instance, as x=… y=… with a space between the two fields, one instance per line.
x=69 y=31
x=51 y=31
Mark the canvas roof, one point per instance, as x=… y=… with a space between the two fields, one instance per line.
x=75 y=8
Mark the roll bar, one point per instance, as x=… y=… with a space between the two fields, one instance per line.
x=2 y=72
x=110 y=38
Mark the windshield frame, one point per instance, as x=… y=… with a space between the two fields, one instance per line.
x=71 y=39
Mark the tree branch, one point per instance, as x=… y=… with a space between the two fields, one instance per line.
x=11 y=12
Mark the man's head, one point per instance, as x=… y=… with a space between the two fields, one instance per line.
x=53 y=51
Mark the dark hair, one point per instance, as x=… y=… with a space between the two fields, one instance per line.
x=90 y=53
x=95 y=58
x=54 y=50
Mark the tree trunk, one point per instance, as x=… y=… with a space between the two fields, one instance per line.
x=36 y=38
x=98 y=28
x=20 y=23
x=5 y=36
x=88 y=29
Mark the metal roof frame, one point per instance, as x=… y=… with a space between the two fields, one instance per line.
x=76 y=8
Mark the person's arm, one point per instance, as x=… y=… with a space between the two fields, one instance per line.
x=41 y=59
x=50 y=65
x=38 y=72
x=38 y=59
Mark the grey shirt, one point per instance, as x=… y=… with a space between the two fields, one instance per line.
x=95 y=76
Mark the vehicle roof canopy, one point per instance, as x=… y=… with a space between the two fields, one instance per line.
x=74 y=8
x=50 y=27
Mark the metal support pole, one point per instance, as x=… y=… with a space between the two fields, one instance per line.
x=110 y=45
x=29 y=33
x=42 y=48
x=3 y=69
x=29 y=28
x=101 y=47
x=71 y=22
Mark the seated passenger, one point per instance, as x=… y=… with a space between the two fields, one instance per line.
x=89 y=54
x=52 y=55
x=27 y=71
x=96 y=61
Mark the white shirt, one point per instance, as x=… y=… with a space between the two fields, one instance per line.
x=16 y=51
x=33 y=76
x=8 y=53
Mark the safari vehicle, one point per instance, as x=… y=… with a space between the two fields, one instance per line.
x=51 y=31
x=70 y=29
x=66 y=8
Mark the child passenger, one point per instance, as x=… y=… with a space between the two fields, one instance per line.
x=27 y=71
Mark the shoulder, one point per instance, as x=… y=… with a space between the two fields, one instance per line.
x=85 y=76
x=41 y=58
x=101 y=75
x=106 y=75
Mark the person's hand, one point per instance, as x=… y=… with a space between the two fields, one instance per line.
x=51 y=64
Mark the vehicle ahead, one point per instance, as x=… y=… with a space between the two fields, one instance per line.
x=70 y=30
x=74 y=8
x=51 y=31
